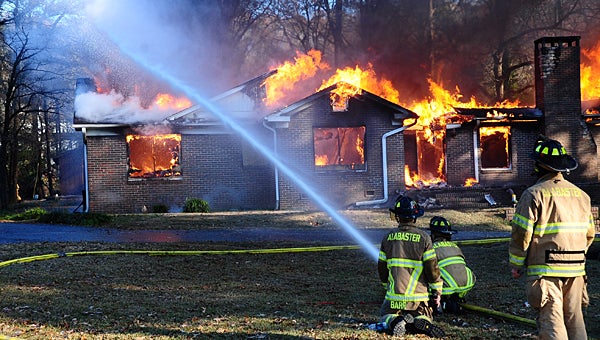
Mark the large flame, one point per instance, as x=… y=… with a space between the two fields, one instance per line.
x=281 y=84
x=590 y=73
x=360 y=79
x=166 y=101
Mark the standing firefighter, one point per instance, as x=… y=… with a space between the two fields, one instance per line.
x=458 y=278
x=409 y=270
x=551 y=231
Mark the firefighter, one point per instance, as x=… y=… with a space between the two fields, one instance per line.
x=552 y=228
x=409 y=270
x=457 y=276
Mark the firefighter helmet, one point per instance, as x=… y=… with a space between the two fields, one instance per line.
x=551 y=155
x=406 y=208
x=438 y=224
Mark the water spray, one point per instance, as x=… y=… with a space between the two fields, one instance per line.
x=193 y=94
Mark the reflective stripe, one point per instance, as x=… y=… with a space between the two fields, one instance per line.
x=523 y=222
x=436 y=286
x=412 y=284
x=516 y=260
x=382 y=256
x=560 y=271
x=453 y=287
x=406 y=297
x=429 y=255
x=451 y=260
x=562 y=227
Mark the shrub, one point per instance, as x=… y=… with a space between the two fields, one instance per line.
x=193 y=205
x=93 y=219
x=160 y=208
x=29 y=214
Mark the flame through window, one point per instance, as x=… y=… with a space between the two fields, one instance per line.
x=154 y=156
x=494 y=145
x=340 y=148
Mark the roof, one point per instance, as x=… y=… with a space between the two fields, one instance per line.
x=240 y=101
x=284 y=114
x=244 y=102
x=521 y=114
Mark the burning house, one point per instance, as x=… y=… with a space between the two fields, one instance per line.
x=342 y=143
x=355 y=143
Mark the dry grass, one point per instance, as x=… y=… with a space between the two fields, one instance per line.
x=478 y=220
x=298 y=295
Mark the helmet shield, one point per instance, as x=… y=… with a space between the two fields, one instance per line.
x=550 y=154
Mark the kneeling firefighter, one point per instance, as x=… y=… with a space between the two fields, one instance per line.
x=457 y=276
x=408 y=269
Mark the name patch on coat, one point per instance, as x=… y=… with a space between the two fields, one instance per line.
x=404 y=236
x=562 y=192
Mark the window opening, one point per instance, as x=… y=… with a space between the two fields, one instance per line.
x=340 y=148
x=494 y=146
x=154 y=156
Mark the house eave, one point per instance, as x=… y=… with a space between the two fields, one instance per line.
x=92 y=126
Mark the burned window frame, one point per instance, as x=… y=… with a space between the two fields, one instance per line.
x=480 y=150
x=340 y=167
x=175 y=173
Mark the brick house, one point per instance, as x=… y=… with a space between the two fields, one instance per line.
x=311 y=135
x=557 y=114
x=195 y=155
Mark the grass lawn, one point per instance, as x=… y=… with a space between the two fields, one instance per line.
x=327 y=294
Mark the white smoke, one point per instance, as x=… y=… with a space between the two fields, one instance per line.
x=115 y=108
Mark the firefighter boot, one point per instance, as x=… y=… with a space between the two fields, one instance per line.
x=422 y=325
x=398 y=325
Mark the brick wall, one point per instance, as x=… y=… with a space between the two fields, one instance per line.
x=558 y=94
x=460 y=150
x=213 y=170
x=340 y=188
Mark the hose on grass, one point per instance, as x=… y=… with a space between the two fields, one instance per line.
x=496 y=314
x=44 y=257
x=211 y=252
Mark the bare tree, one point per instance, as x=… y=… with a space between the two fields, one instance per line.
x=490 y=43
x=24 y=81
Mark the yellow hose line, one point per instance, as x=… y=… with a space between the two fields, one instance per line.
x=499 y=314
x=484 y=241
x=212 y=252
x=175 y=252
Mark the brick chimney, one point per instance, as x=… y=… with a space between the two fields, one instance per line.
x=558 y=95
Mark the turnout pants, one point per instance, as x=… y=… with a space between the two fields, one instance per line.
x=558 y=304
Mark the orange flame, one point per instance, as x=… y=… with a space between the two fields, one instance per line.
x=280 y=84
x=360 y=79
x=360 y=148
x=434 y=112
x=590 y=76
x=469 y=182
x=492 y=130
x=409 y=179
x=321 y=160
x=167 y=101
